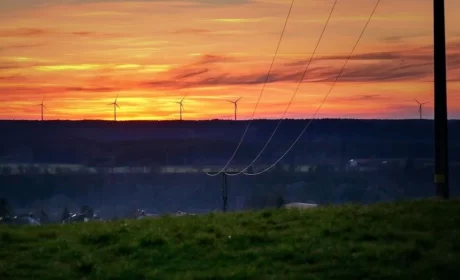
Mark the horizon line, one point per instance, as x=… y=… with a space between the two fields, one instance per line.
x=220 y=120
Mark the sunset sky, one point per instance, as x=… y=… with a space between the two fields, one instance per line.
x=79 y=54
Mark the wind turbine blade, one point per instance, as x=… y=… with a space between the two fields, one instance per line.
x=229 y=101
x=424 y=103
x=116 y=98
x=416 y=101
x=182 y=99
x=238 y=99
x=117 y=105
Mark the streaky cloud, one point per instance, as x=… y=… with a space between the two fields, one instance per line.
x=23 y=32
x=381 y=67
x=9 y=5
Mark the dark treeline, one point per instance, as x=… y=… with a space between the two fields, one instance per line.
x=212 y=142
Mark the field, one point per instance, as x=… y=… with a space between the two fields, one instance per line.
x=404 y=240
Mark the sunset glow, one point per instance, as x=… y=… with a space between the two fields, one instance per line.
x=80 y=54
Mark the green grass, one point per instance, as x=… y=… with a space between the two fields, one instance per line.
x=408 y=240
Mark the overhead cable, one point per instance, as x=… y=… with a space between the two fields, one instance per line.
x=293 y=95
x=322 y=102
x=260 y=95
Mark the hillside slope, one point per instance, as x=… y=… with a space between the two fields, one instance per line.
x=407 y=240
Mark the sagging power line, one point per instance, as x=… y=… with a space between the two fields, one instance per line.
x=323 y=101
x=293 y=95
x=260 y=96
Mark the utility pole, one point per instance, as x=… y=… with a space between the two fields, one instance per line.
x=343 y=150
x=440 y=102
x=225 y=190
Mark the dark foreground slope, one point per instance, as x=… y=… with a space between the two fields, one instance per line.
x=409 y=240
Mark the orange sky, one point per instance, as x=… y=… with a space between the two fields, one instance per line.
x=79 y=54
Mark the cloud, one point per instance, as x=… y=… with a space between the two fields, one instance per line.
x=405 y=37
x=216 y=78
x=199 y=67
x=412 y=64
x=192 y=73
x=13 y=78
x=242 y=20
x=9 y=66
x=206 y=2
x=84 y=33
x=26 y=63
x=193 y=31
x=15 y=5
x=210 y=58
x=23 y=32
x=365 y=67
x=39 y=32
x=424 y=53
x=33 y=91
x=74 y=67
x=358 y=98
x=24 y=46
x=208 y=32
x=92 y=89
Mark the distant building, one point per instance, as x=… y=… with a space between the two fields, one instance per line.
x=352 y=163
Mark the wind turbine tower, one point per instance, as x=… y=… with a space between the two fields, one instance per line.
x=235 y=103
x=420 y=107
x=42 y=107
x=181 y=106
x=115 y=106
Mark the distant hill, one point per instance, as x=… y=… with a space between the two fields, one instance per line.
x=224 y=130
x=96 y=142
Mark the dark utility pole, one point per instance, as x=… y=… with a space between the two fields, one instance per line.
x=224 y=192
x=440 y=101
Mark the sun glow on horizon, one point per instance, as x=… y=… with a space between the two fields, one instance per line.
x=80 y=56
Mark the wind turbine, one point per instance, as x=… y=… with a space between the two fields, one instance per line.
x=235 y=103
x=367 y=96
x=115 y=105
x=420 y=107
x=181 y=106
x=42 y=107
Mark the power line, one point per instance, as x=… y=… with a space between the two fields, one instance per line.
x=293 y=95
x=260 y=95
x=324 y=100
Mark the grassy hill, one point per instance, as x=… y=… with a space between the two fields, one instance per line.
x=407 y=240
